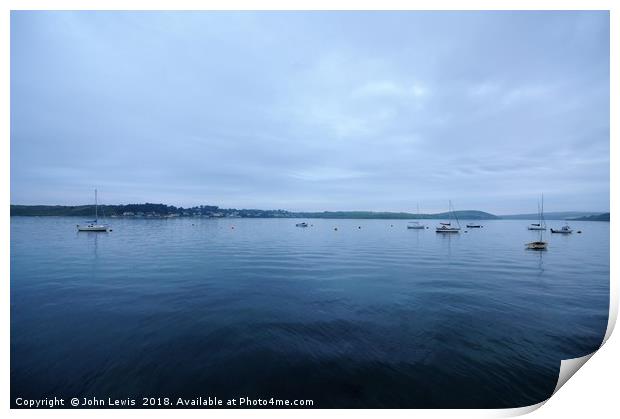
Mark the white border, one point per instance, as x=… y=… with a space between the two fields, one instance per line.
x=595 y=392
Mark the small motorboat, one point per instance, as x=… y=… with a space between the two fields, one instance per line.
x=414 y=225
x=304 y=224
x=564 y=230
x=473 y=225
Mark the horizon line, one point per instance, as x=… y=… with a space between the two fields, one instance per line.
x=306 y=211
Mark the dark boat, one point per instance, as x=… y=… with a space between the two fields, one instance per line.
x=539 y=245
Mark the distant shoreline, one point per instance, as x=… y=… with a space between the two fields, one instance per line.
x=162 y=211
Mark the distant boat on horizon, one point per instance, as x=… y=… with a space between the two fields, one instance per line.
x=92 y=225
x=447 y=227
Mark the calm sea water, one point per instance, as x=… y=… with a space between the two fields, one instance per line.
x=377 y=316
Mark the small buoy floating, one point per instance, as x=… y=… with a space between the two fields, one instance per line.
x=578 y=231
x=335 y=228
x=359 y=227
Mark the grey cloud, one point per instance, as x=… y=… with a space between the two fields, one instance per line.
x=312 y=110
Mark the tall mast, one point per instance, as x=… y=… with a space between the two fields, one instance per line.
x=453 y=213
x=95 y=205
x=542 y=206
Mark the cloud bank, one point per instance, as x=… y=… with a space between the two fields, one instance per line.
x=312 y=110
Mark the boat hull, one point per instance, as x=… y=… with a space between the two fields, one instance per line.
x=101 y=228
x=415 y=227
x=447 y=230
x=537 y=228
x=537 y=246
x=561 y=231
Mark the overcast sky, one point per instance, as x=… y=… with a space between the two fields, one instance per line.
x=312 y=111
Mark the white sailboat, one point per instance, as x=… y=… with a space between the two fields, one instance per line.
x=415 y=225
x=92 y=225
x=540 y=225
x=448 y=227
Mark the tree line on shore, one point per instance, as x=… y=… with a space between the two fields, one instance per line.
x=163 y=210
x=213 y=211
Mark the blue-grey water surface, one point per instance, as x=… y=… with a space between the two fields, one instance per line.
x=377 y=316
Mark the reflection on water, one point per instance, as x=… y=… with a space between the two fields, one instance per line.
x=92 y=238
x=376 y=316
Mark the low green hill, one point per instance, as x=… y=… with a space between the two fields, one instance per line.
x=599 y=217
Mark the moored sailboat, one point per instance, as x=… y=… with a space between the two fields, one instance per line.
x=415 y=225
x=538 y=245
x=448 y=227
x=540 y=225
x=93 y=225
